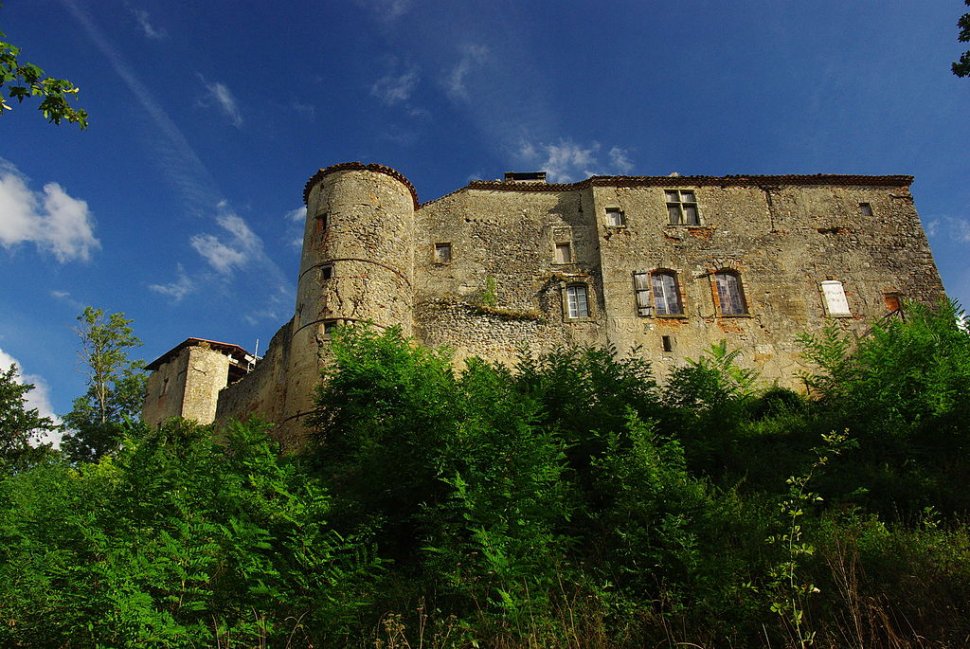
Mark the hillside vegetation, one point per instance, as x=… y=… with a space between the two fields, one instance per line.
x=570 y=502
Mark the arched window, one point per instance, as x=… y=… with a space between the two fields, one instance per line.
x=729 y=293
x=666 y=293
x=577 y=301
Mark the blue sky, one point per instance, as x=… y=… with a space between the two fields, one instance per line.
x=180 y=205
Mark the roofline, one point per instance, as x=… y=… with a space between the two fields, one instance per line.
x=229 y=349
x=739 y=180
x=359 y=166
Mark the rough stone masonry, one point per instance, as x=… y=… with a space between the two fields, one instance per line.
x=662 y=266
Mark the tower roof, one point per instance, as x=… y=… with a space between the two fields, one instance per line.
x=359 y=166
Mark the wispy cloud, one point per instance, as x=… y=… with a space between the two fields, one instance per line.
x=307 y=110
x=620 y=160
x=65 y=297
x=395 y=88
x=172 y=150
x=38 y=398
x=219 y=95
x=147 y=27
x=238 y=246
x=568 y=161
x=182 y=286
x=295 y=219
x=472 y=57
x=950 y=227
x=51 y=219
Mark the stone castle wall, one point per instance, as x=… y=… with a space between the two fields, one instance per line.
x=492 y=270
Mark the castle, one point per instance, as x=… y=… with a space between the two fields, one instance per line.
x=666 y=265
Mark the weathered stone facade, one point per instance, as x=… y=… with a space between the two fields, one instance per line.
x=664 y=264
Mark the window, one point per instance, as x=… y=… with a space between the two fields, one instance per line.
x=729 y=293
x=322 y=222
x=666 y=296
x=641 y=286
x=329 y=326
x=866 y=209
x=577 y=302
x=326 y=272
x=668 y=343
x=615 y=218
x=442 y=253
x=164 y=388
x=835 y=302
x=682 y=207
x=564 y=253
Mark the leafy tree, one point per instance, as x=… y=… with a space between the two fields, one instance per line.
x=23 y=80
x=176 y=541
x=116 y=385
x=961 y=68
x=19 y=425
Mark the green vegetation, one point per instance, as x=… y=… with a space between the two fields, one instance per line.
x=961 y=68
x=24 y=80
x=570 y=502
x=116 y=386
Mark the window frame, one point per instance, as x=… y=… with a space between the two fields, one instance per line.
x=741 y=297
x=677 y=294
x=570 y=292
x=680 y=203
x=865 y=208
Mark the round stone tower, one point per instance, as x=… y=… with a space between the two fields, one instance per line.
x=357 y=265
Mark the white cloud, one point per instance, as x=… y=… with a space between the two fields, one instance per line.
x=52 y=220
x=568 y=161
x=150 y=30
x=38 y=398
x=182 y=286
x=620 y=161
x=394 y=88
x=237 y=251
x=219 y=94
x=297 y=215
x=472 y=56
x=950 y=227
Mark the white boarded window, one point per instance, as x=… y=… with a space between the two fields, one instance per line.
x=577 y=302
x=564 y=254
x=835 y=302
x=615 y=218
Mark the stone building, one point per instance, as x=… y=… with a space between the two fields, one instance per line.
x=666 y=265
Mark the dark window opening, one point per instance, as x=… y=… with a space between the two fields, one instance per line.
x=682 y=207
x=866 y=209
x=442 y=253
x=668 y=343
x=326 y=272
